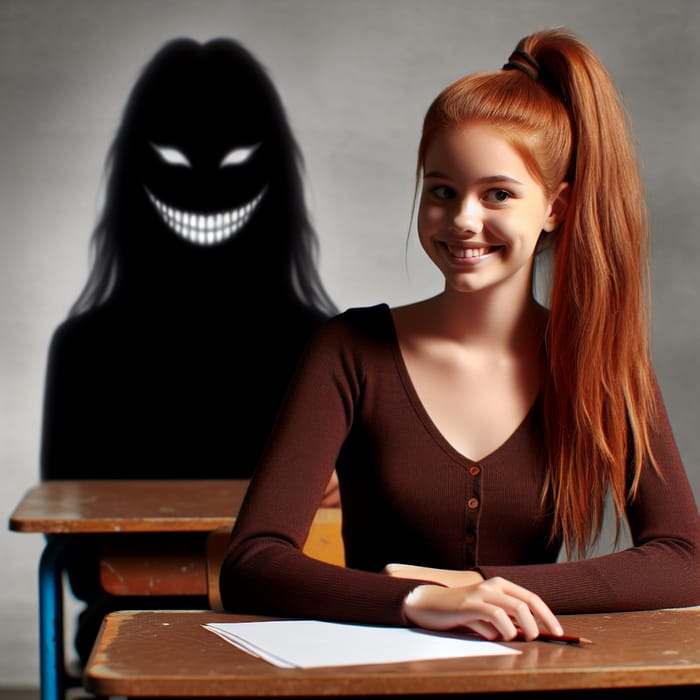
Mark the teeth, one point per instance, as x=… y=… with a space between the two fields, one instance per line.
x=206 y=229
x=467 y=252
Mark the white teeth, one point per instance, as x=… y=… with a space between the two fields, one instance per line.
x=467 y=252
x=206 y=229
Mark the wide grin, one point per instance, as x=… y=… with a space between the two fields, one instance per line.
x=206 y=229
x=461 y=252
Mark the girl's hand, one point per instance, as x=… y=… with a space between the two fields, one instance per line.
x=495 y=609
x=447 y=577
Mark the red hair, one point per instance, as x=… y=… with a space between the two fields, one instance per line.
x=566 y=121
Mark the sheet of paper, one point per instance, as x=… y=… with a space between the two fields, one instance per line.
x=312 y=644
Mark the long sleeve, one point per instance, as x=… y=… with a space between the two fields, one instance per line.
x=265 y=571
x=661 y=569
x=409 y=497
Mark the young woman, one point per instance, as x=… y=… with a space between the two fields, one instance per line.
x=477 y=433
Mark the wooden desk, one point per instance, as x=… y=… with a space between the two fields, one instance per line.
x=79 y=507
x=159 y=654
x=136 y=522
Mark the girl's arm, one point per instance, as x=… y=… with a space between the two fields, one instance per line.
x=265 y=570
x=661 y=569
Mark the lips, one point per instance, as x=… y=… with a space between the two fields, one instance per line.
x=470 y=252
x=206 y=229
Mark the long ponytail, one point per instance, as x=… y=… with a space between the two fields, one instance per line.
x=562 y=113
x=599 y=395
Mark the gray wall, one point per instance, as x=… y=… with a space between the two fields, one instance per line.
x=356 y=77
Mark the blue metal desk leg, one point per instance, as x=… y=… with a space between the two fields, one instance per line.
x=51 y=652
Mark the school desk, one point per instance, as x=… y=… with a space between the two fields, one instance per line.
x=154 y=541
x=169 y=654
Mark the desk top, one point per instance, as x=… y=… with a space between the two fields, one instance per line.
x=143 y=654
x=129 y=506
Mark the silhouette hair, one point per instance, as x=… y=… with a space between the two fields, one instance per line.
x=218 y=70
x=563 y=115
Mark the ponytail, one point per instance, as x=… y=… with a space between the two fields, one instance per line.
x=556 y=105
x=598 y=399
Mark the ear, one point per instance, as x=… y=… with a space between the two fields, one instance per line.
x=558 y=204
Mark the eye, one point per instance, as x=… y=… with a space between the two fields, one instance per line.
x=497 y=196
x=171 y=156
x=238 y=156
x=442 y=192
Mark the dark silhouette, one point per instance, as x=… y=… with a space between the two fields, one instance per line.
x=202 y=291
x=178 y=351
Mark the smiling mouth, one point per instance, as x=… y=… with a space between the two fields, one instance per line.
x=206 y=229
x=464 y=253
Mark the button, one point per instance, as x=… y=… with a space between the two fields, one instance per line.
x=469 y=538
x=475 y=471
x=473 y=503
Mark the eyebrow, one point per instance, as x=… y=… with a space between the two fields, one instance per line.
x=481 y=181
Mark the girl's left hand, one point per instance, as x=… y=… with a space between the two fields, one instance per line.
x=447 y=577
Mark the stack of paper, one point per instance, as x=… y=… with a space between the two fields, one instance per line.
x=311 y=644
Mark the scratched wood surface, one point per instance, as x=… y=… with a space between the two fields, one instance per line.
x=189 y=563
x=54 y=507
x=157 y=654
x=157 y=537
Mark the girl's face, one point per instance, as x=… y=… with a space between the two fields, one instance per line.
x=481 y=211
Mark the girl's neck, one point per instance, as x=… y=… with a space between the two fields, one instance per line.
x=490 y=319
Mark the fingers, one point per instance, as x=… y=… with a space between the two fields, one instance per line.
x=499 y=620
x=485 y=630
x=526 y=609
x=494 y=609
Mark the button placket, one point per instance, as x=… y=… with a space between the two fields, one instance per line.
x=473 y=503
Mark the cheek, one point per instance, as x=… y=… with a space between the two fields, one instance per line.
x=429 y=217
x=424 y=227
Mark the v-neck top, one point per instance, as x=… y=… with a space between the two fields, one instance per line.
x=408 y=496
x=424 y=415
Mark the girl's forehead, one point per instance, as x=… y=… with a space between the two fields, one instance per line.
x=477 y=148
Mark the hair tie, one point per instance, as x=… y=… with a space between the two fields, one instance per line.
x=526 y=67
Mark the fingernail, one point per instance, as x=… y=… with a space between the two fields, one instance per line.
x=559 y=631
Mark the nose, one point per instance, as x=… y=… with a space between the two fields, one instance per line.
x=468 y=216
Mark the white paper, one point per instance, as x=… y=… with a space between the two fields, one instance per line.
x=313 y=644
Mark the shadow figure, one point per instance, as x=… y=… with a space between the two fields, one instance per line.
x=202 y=291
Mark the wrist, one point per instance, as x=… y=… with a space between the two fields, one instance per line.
x=412 y=600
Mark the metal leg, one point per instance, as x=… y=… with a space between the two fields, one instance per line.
x=51 y=652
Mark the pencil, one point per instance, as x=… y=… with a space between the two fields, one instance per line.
x=561 y=639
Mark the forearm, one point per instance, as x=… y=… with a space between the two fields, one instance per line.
x=264 y=576
x=656 y=575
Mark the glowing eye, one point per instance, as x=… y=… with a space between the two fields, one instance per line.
x=238 y=156
x=171 y=155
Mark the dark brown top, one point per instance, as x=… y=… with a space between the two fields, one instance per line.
x=409 y=497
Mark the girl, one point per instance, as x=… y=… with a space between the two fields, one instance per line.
x=476 y=433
